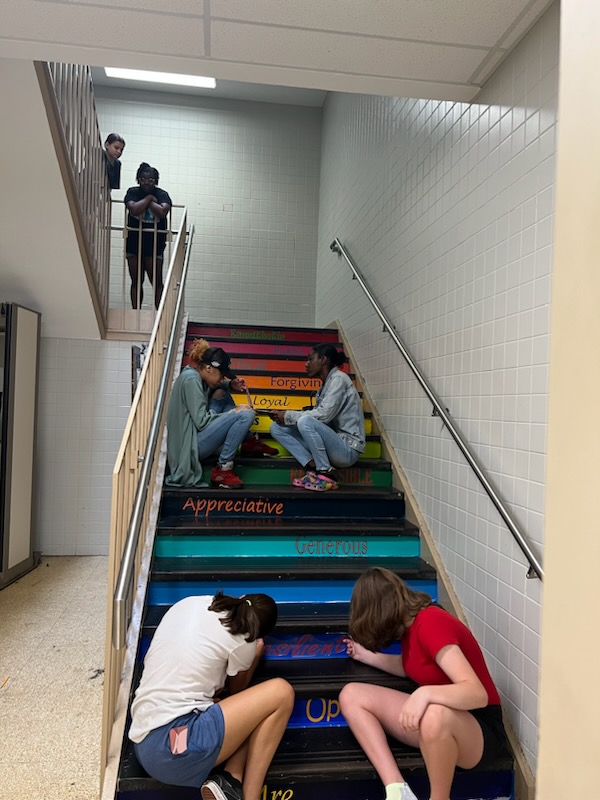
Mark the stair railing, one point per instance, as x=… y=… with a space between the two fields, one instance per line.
x=134 y=509
x=535 y=566
x=68 y=95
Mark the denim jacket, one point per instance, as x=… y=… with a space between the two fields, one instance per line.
x=338 y=405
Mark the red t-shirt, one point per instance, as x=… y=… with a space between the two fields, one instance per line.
x=433 y=629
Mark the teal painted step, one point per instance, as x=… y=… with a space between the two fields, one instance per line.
x=294 y=591
x=285 y=546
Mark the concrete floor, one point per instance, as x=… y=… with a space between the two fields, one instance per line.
x=52 y=626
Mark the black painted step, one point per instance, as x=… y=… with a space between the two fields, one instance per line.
x=268 y=502
x=288 y=569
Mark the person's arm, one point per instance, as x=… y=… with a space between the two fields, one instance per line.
x=466 y=691
x=160 y=204
x=137 y=207
x=237 y=683
x=387 y=662
x=329 y=401
x=196 y=404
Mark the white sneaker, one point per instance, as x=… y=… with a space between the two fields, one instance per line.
x=406 y=793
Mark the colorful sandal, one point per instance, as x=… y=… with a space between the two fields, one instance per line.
x=302 y=483
x=321 y=483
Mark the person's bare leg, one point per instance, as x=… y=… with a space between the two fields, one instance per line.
x=137 y=279
x=371 y=712
x=258 y=715
x=448 y=738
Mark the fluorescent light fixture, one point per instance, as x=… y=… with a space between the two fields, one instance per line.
x=160 y=77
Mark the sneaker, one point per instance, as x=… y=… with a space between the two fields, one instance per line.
x=224 y=478
x=256 y=447
x=322 y=482
x=219 y=787
x=308 y=477
x=406 y=793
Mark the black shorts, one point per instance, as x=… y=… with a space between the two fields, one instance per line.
x=495 y=743
x=131 y=247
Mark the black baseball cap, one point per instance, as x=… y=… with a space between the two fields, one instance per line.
x=218 y=358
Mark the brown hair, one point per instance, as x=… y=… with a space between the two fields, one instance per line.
x=381 y=607
x=253 y=614
x=197 y=350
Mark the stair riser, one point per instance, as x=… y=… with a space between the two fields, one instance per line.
x=276 y=546
x=372 y=449
x=270 y=364
x=262 y=424
x=214 y=332
x=292 y=591
x=260 y=348
x=466 y=786
x=283 y=476
x=324 y=505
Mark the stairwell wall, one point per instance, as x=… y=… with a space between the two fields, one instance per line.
x=447 y=211
x=249 y=175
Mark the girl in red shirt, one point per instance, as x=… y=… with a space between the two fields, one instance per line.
x=453 y=717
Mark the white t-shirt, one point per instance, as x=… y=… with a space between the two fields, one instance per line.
x=189 y=658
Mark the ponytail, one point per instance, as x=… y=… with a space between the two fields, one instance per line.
x=253 y=615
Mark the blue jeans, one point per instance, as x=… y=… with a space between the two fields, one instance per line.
x=227 y=431
x=313 y=440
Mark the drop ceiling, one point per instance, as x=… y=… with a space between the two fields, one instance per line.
x=443 y=49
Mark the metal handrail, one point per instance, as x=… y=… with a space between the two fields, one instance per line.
x=535 y=567
x=126 y=569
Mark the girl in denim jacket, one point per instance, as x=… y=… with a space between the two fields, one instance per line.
x=331 y=433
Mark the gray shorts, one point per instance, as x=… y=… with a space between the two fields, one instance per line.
x=183 y=752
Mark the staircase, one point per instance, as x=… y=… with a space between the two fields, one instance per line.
x=306 y=550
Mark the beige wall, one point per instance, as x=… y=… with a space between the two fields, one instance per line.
x=569 y=706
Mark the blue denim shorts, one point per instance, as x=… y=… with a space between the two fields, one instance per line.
x=183 y=752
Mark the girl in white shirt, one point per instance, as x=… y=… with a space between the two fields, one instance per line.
x=180 y=727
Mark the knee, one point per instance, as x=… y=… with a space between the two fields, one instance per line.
x=351 y=697
x=284 y=692
x=306 y=423
x=435 y=723
x=247 y=415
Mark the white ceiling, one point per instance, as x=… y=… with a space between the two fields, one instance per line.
x=443 y=49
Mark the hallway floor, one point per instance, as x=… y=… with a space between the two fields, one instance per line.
x=52 y=626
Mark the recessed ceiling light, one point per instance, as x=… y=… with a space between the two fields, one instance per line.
x=160 y=77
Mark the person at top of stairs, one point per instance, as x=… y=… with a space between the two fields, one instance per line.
x=454 y=717
x=180 y=727
x=332 y=432
x=194 y=432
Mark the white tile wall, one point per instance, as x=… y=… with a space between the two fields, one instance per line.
x=447 y=210
x=249 y=175
x=84 y=399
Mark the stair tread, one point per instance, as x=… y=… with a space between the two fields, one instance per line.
x=268 y=567
x=258 y=491
x=325 y=526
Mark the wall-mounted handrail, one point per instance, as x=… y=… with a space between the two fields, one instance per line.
x=535 y=567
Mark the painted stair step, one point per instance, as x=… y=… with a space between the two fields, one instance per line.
x=296 y=545
x=300 y=617
x=280 y=472
x=327 y=530
x=372 y=449
x=275 y=400
x=300 y=590
x=208 y=567
x=336 y=769
x=270 y=364
x=249 y=348
x=282 y=502
x=262 y=333
x=262 y=424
